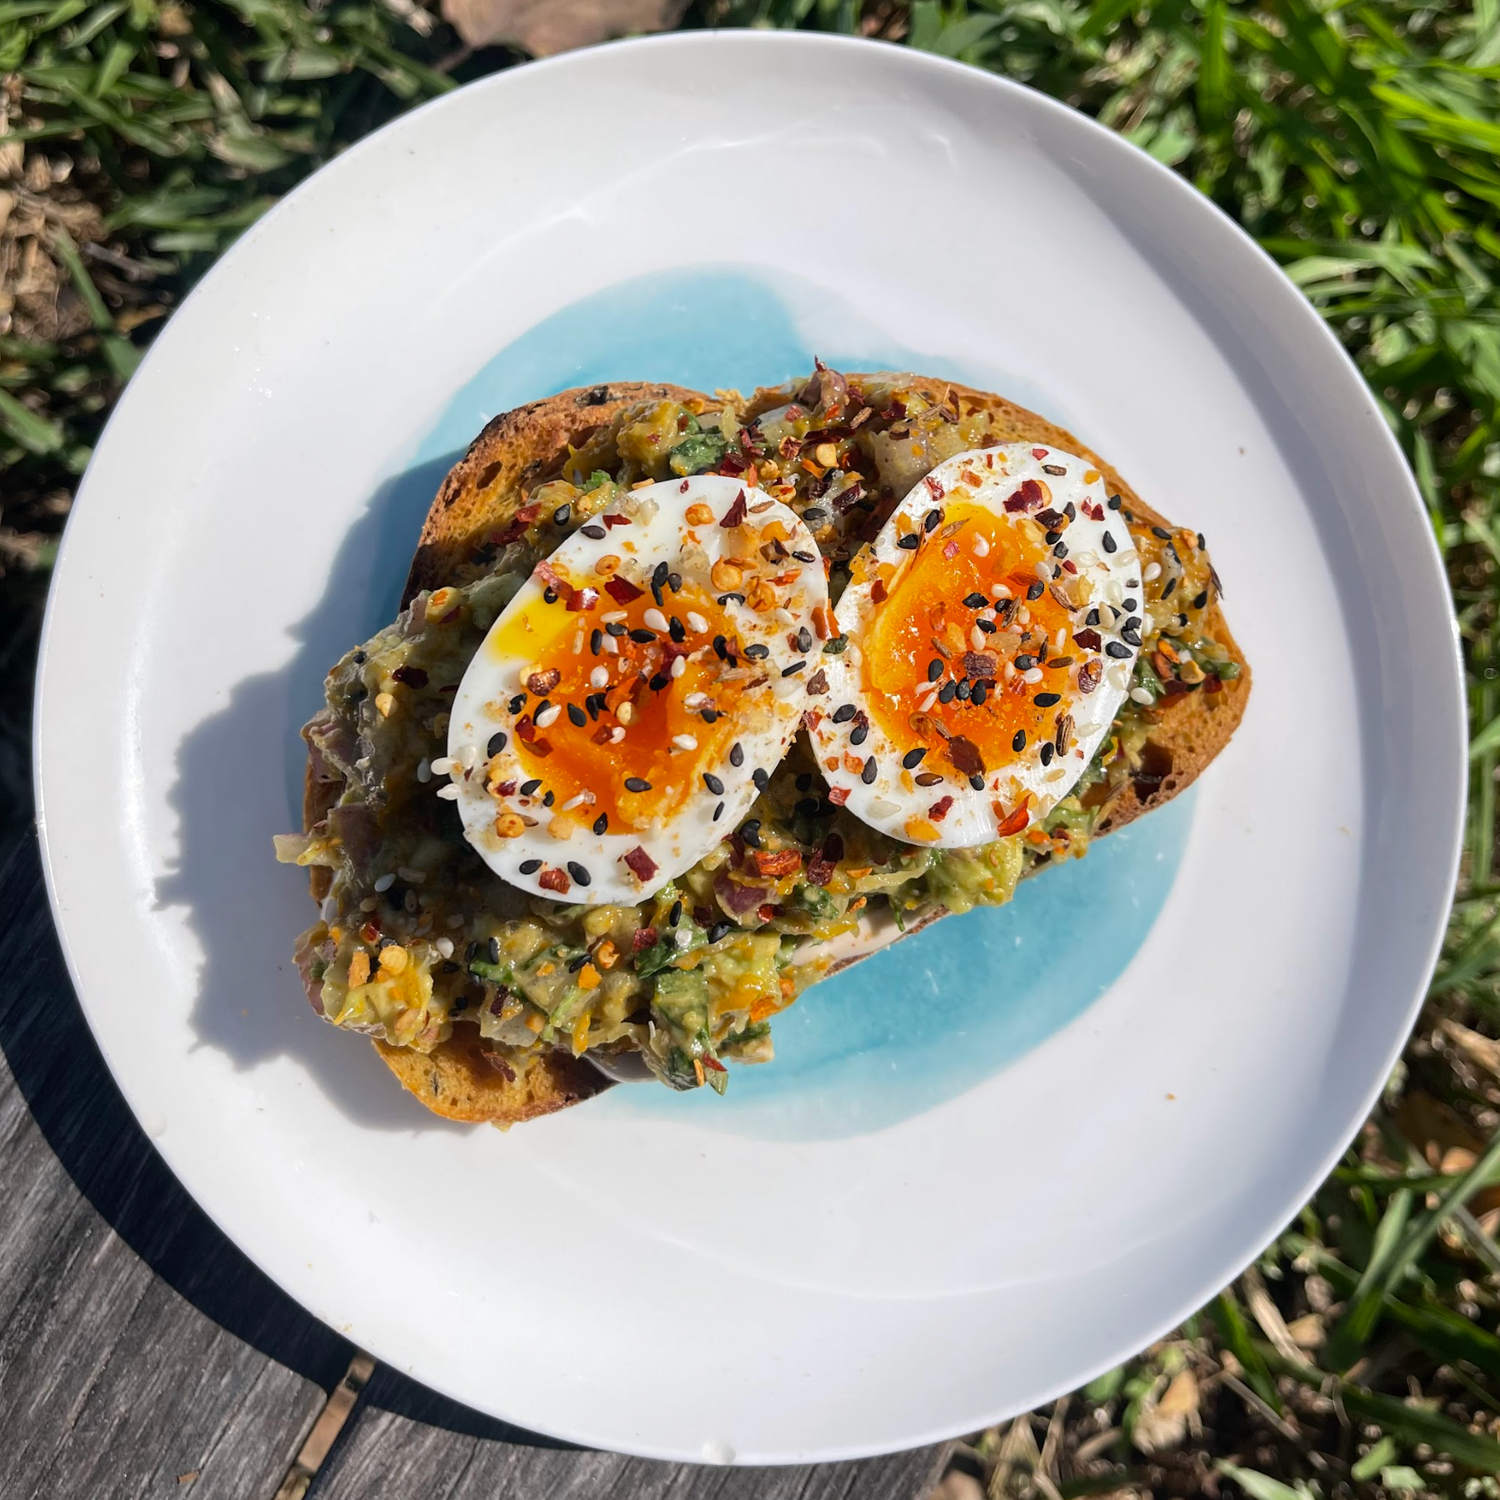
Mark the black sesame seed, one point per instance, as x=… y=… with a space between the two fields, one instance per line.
x=1036 y=590
x=1110 y=544
x=846 y=711
x=674 y=582
x=593 y=532
x=721 y=647
x=962 y=691
x=492 y=950
x=713 y=783
x=804 y=639
x=1092 y=618
x=910 y=542
x=562 y=515
x=579 y=873
x=932 y=520
x=978 y=693
x=517 y=703
x=359 y=658
x=761 y=777
x=718 y=930
x=1046 y=700
x=1025 y=663
x=791 y=671
x=750 y=832
x=1018 y=742
x=576 y=963
x=1051 y=537
x=805 y=557
x=757 y=652
x=1046 y=752
x=710 y=716
x=1129 y=604
x=1201 y=600
x=718 y=812
x=548 y=799
x=643 y=637
x=804 y=782
x=1161 y=533
x=1130 y=635
x=867 y=775
x=736 y=754
x=549 y=595
x=675 y=915
x=1202 y=545
x=472 y=951
x=1116 y=650
x=859 y=734
x=977 y=782
x=496 y=744
x=1070 y=511
x=615 y=628
x=637 y=784
x=813 y=514
x=676 y=629
x=528 y=788
x=1060 y=550
x=596 y=641
x=1166 y=593
x=730 y=599
x=658 y=682
x=577 y=716
x=945 y=695
x=1134 y=622
x=601 y=822
x=975 y=601
x=1114 y=502
x=913 y=758
x=526 y=867
x=594 y=703
x=659 y=576
x=807 y=807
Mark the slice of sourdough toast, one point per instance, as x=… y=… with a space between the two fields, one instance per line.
x=521 y=449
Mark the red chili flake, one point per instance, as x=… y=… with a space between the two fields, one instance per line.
x=1088 y=676
x=1013 y=822
x=704 y=916
x=413 y=677
x=1069 y=566
x=525 y=729
x=370 y=932
x=838 y=795
x=1089 y=640
x=644 y=938
x=582 y=599
x=817 y=683
x=540 y=748
x=1092 y=511
x=793 y=412
x=769 y=910
x=541 y=683
x=506 y=789
x=1213 y=683
x=499 y=1064
x=775 y=864
x=601 y=735
x=713 y=1063
x=735 y=515
x=939 y=809
x=878 y=594
x=964 y=754
x=1039 y=453
x=732 y=465
x=622 y=590
x=1053 y=520
x=515 y=528
x=549 y=577
x=934 y=487
x=553 y=879
x=981 y=664
x=611 y=521
x=1027 y=498
x=787 y=447
x=639 y=863
x=894 y=412
x=950 y=550
x=1173 y=690
x=821 y=866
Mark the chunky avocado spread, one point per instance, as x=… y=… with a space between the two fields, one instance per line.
x=418 y=936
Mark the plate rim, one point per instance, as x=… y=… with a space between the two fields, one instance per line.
x=711 y=41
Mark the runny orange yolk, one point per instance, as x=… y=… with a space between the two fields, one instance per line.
x=924 y=619
x=664 y=743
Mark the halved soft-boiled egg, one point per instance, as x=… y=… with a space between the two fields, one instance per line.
x=624 y=711
x=993 y=625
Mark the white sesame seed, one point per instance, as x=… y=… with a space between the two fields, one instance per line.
x=1061 y=640
x=599 y=677
x=1142 y=695
x=613 y=617
x=456 y=920
x=467 y=756
x=448 y=793
x=682 y=937
x=548 y=716
x=976 y=638
x=444 y=946
x=696 y=622
x=611 y=645
x=684 y=742
x=442 y=766
x=1153 y=570
x=980 y=546
x=368 y=904
x=1032 y=674
x=786 y=617
x=679 y=665
x=1043 y=571
x=695 y=700
x=385 y=882
x=1023 y=616
x=582 y=799
x=1056 y=773
x=655 y=619
x=577 y=643
x=424 y=771
x=880 y=808
x=1000 y=591
x=617 y=734
x=410 y=876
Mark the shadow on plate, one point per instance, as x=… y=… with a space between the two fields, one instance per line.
x=239 y=780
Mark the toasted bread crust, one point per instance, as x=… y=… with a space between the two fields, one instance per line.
x=521 y=448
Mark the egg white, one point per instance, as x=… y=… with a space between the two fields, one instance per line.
x=1104 y=579
x=655 y=531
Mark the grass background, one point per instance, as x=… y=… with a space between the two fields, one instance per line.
x=1358 y=142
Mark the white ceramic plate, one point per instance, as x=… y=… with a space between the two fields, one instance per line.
x=987 y=1165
